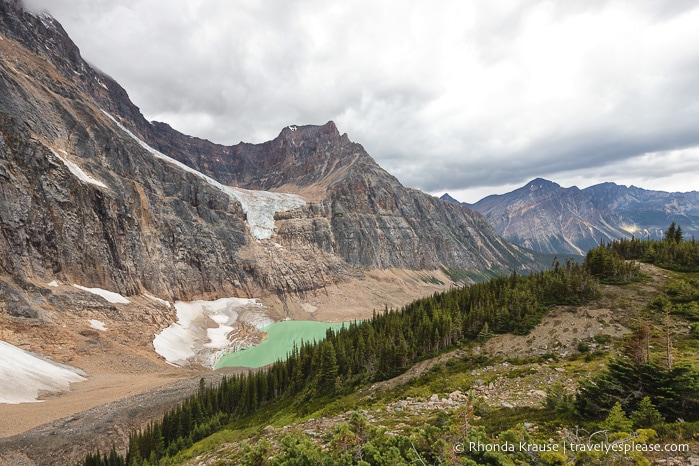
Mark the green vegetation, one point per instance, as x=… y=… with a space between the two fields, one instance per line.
x=672 y=253
x=639 y=391
x=607 y=265
x=674 y=391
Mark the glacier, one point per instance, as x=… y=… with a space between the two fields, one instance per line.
x=259 y=206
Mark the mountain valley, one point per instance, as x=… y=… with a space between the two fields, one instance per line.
x=132 y=257
x=107 y=220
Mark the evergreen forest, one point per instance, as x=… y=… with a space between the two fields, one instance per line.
x=637 y=390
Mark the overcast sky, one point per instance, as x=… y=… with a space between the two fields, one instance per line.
x=467 y=97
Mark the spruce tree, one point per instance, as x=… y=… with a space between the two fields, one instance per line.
x=646 y=415
x=617 y=421
x=327 y=369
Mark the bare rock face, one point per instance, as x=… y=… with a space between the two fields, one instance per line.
x=163 y=235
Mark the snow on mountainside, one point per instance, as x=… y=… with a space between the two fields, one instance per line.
x=110 y=296
x=24 y=376
x=259 y=206
x=77 y=171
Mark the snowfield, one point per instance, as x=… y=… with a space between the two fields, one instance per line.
x=110 y=296
x=259 y=206
x=24 y=376
x=203 y=329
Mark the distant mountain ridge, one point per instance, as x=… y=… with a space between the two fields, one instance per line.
x=546 y=217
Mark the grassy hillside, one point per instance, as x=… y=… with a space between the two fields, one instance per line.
x=483 y=395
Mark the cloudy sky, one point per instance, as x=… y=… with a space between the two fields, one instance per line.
x=467 y=97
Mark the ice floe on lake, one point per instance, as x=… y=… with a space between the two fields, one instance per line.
x=24 y=376
x=206 y=329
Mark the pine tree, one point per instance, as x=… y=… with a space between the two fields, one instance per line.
x=646 y=415
x=678 y=234
x=327 y=369
x=670 y=232
x=617 y=421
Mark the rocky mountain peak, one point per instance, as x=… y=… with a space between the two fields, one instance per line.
x=446 y=197
x=543 y=216
x=541 y=183
x=328 y=130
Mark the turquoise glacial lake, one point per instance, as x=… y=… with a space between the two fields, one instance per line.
x=280 y=340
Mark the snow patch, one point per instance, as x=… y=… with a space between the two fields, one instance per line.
x=98 y=325
x=78 y=172
x=202 y=331
x=259 y=206
x=25 y=375
x=110 y=296
x=53 y=284
x=157 y=300
x=99 y=81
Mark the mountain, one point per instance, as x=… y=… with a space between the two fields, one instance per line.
x=60 y=116
x=106 y=219
x=546 y=217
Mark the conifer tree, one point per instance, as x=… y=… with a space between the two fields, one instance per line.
x=617 y=421
x=327 y=370
x=646 y=415
x=670 y=232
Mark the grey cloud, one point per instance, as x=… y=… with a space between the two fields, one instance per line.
x=450 y=95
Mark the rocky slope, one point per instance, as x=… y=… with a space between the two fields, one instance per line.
x=545 y=217
x=355 y=210
x=92 y=194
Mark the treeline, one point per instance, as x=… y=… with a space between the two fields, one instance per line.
x=649 y=391
x=376 y=349
x=673 y=252
x=607 y=265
